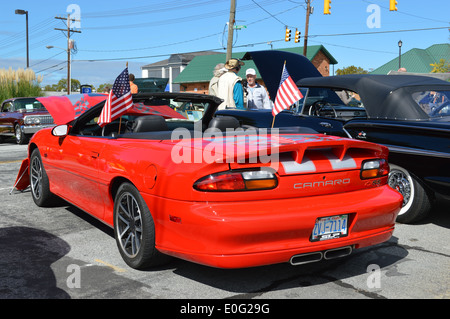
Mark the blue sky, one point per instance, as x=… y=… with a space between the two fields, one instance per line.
x=142 y=32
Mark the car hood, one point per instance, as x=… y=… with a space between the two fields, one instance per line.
x=67 y=108
x=270 y=66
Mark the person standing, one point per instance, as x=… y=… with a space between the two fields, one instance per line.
x=133 y=87
x=230 y=86
x=257 y=97
x=218 y=71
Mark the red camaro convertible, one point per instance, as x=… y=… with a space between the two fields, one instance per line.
x=209 y=191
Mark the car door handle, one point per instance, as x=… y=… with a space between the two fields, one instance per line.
x=95 y=154
x=326 y=124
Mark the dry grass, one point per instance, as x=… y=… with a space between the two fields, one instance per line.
x=19 y=83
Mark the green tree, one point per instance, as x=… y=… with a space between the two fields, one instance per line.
x=102 y=87
x=62 y=85
x=351 y=70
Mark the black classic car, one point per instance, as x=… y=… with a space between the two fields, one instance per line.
x=21 y=117
x=407 y=113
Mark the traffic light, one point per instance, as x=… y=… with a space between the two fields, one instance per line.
x=287 y=37
x=326 y=6
x=297 y=36
x=392 y=5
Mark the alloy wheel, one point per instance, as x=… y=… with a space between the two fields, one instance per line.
x=36 y=177
x=400 y=182
x=129 y=225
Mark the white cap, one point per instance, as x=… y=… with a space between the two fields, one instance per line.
x=250 y=71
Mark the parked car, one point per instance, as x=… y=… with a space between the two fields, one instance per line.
x=412 y=118
x=22 y=117
x=407 y=113
x=171 y=186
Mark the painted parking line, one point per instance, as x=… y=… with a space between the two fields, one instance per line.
x=115 y=268
x=9 y=162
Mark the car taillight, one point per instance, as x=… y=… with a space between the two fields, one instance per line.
x=232 y=181
x=374 y=168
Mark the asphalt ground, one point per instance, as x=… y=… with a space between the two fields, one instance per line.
x=61 y=252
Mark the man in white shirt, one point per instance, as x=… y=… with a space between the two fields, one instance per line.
x=257 y=97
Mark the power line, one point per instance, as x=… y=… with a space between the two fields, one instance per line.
x=50 y=67
x=155 y=46
x=33 y=45
x=377 y=32
x=186 y=41
x=265 y=42
x=160 y=7
x=274 y=17
x=35 y=31
x=195 y=17
x=409 y=14
x=42 y=61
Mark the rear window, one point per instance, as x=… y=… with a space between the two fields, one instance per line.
x=434 y=103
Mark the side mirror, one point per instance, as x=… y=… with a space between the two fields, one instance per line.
x=60 y=130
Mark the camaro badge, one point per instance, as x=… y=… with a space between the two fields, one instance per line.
x=335 y=182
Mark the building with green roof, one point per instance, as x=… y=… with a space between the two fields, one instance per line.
x=196 y=75
x=417 y=60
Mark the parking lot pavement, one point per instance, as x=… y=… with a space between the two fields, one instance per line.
x=60 y=252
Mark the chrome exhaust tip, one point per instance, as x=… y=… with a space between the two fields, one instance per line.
x=337 y=252
x=306 y=258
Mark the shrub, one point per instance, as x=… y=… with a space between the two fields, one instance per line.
x=19 y=83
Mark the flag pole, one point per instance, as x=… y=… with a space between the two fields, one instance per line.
x=120 y=120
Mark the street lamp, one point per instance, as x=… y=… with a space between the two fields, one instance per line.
x=24 y=12
x=400 y=43
x=69 y=75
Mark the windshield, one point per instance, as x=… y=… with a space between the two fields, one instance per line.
x=191 y=110
x=434 y=103
x=179 y=112
x=326 y=98
x=314 y=95
x=30 y=104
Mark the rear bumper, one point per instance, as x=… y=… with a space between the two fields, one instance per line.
x=254 y=233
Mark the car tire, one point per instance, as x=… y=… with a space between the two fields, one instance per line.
x=416 y=200
x=40 y=186
x=134 y=229
x=21 y=138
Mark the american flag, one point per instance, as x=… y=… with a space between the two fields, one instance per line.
x=287 y=93
x=119 y=100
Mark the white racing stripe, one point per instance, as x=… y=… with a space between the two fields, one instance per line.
x=307 y=165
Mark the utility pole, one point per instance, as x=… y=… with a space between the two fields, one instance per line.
x=68 y=30
x=231 y=29
x=305 y=38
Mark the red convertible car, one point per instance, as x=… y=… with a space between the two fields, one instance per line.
x=250 y=197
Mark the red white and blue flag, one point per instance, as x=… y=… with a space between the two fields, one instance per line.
x=287 y=94
x=119 y=100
